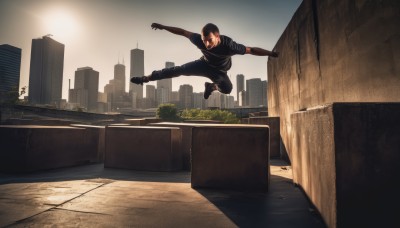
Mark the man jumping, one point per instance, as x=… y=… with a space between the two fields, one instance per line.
x=214 y=64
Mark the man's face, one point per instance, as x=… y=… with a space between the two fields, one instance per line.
x=210 y=41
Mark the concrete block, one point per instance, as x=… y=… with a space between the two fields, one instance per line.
x=95 y=138
x=135 y=122
x=185 y=143
x=231 y=157
x=203 y=121
x=143 y=148
x=29 y=148
x=346 y=157
x=275 y=137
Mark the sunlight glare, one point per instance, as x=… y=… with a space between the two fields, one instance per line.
x=61 y=24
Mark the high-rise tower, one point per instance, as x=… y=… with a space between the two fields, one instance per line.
x=10 y=66
x=239 y=85
x=46 y=71
x=164 y=87
x=137 y=70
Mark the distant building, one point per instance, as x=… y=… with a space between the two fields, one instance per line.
x=242 y=98
x=164 y=87
x=254 y=92
x=119 y=81
x=264 y=85
x=214 y=100
x=239 y=84
x=137 y=70
x=10 y=67
x=86 y=89
x=198 y=100
x=230 y=102
x=186 y=96
x=46 y=71
x=150 y=96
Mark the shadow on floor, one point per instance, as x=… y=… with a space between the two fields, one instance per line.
x=94 y=171
x=284 y=205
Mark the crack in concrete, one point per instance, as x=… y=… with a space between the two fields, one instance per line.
x=55 y=207
x=86 y=212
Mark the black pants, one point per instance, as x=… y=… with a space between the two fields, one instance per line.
x=196 y=68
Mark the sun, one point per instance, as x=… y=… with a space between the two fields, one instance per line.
x=61 y=24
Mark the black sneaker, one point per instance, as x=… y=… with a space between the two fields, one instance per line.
x=139 y=80
x=208 y=90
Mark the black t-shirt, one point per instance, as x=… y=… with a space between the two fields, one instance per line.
x=219 y=56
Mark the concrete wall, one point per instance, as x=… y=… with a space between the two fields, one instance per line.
x=230 y=156
x=143 y=148
x=335 y=51
x=30 y=148
x=346 y=157
x=340 y=51
x=275 y=138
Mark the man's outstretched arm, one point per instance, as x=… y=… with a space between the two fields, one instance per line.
x=260 y=52
x=174 y=30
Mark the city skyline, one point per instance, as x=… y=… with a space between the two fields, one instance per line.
x=99 y=34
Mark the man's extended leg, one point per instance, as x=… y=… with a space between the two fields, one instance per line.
x=192 y=68
x=219 y=78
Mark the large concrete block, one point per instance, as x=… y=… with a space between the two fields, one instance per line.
x=230 y=157
x=28 y=147
x=95 y=138
x=346 y=157
x=143 y=148
x=275 y=137
x=185 y=143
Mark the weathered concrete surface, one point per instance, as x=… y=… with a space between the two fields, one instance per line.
x=28 y=147
x=230 y=156
x=95 y=138
x=185 y=143
x=335 y=51
x=135 y=122
x=143 y=148
x=275 y=137
x=348 y=157
x=91 y=196
x=44 y=122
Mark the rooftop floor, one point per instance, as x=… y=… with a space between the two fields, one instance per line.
x=92 y=196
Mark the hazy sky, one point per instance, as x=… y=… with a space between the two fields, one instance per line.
x=99 y=33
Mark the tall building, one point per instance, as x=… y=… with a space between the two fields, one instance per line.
x=10 y=66
x=86 y=88
x=137 y=70
x=164 y=87
x=199 y=101
x=264 y=85
x=119 y=81
x=214 y=100
x=239 y=85
x=46 y=71
x=254 y=92
x=151 y=96
x=242 y=98
x=186 y=96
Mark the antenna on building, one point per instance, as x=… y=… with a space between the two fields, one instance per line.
x=137 y=45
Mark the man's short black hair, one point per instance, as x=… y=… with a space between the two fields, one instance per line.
x=209 y=28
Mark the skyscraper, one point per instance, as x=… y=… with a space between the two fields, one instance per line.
x=164 y=87
x=137 y=70
x=151 y=96
x=186 y=96
x=86 y=88
x=264 y=85
x=10 y=66
x=46 y=71
x=119 y=81
x=254 y=92
x=239 y=85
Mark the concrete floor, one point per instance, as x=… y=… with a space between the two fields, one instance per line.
x=91 y=196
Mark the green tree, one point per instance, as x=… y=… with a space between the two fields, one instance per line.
x=220 y=115
x=168 y=112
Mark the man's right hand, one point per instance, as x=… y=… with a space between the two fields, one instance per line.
x=156 y=26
